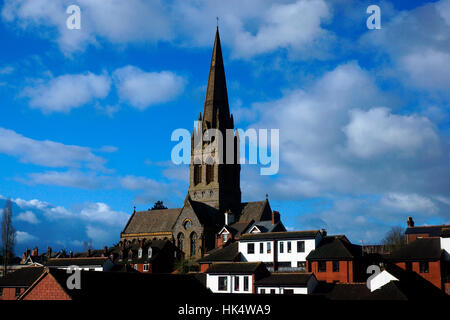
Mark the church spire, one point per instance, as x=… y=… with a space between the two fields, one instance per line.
x=216 y=113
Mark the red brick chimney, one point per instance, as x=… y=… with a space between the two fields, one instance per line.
x=71 y=254
x=410 y=222
x=35 y=252
x=88 y=252
x=105 y=251
x=275 y=217
x=49 y=252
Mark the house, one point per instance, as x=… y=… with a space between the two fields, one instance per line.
x=287 y=283
x=336 y=259
x=229 y=253
x=15 y=283
x=280 y=251
x=425 y=257
x=417 y=232
x=235 y=277
x=84 y=263
x=52 y=285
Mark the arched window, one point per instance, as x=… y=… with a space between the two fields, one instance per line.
x=180 y=240
x=150 y=252
x=197 y=174
x=193 y=243
x=140 y=253
x=209 y=173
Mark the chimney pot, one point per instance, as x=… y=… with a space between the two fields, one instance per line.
x=410 y=222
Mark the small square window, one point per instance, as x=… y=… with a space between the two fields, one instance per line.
x=251 y=248
x=322 y=266
x=289 y=247
x=424 y=267
x=146 y=267
x=269 y=247
x=17 y=292
x=262 y=291
x=236 y=283
x=222 y=283
x=335 y=266
x=261 y=247
x=282 y=247
x=300 y=246
x=246 y=283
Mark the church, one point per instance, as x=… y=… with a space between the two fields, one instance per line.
x=214 y=195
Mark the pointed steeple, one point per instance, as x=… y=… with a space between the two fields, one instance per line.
x=216 y=113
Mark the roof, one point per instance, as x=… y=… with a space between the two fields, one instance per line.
x=23 y=277
x=226 y=254
x=432 y=231
x=335 y=247
x=256 y=211
x=359 y=291
x=310 y=234
x=445 y=233
x=420 y=249
x=152 y=221
x=267 y=226
x=234 y=267
x=285 y=280
x=237 y=228
x=65 y=262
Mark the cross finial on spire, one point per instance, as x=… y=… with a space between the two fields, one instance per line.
x=217 y=18
x=267 y=196
x=134 y=211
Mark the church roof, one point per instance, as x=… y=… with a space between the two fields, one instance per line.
x=152 y=221
x=256 y=211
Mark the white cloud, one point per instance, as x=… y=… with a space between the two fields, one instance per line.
x=101 y=212
x=73 y=178
x=47 y=153
x=409 y=202
x=28 y=216
x=24 y=237
x=143 y=89
x=63 y=93
x=378 y=132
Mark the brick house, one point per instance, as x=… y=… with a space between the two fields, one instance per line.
x=15 y=283
x=229 y=253
x=336 y=259
x=417 y=232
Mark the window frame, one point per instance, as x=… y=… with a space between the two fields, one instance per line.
x=281 y=246
x=261 y=247
x=252 y=246
x=269 y=247
x=334 y=269
x=236 y=283
x=301 y=246
x=145 y=268
x=319 y=264
x=246 y=283
x=224 y=285
x=289 y=247
x=424 y=267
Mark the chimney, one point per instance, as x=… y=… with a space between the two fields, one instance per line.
x=105 y=251
x=324 y=232
x=88 y=252
x=229 y=218
x=49 y=252
x=275 y=217
x=27 y=252
x=71 y=254
x=410 y=222
x=35 y=252
x=141 y=243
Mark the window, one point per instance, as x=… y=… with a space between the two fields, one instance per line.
x=322 y=266
x=288 y=291
x=251 y=248
x=146 y=267
x=222 y=283
x=140 y=253
x=224 y=237
x=236 y=283
x=281 y=247
x=193 y=243
x=17 y=292
x=209 y=173
x=187 y=224
x=263 y=291
x=269 y=247
x=150 y=252
x=245 y=283
x=261 y=247
x=301 y=265
x=197 y=174
x=289 y=247
x=335 y=266
x=180 y=240
x=1 y=292
x=408 y=266
x=300 y=246
x=272 y=291
x=135 y=267
x=424 y=267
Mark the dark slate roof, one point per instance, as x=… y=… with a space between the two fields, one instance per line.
x=152 y=221
x=65 y=262
x=207 y=215
x=23 y=277
x=359 y=291
x=420 y=249
x=445 y=233
x=157 y=246
x=432 y=231
x=267 y=226
x=112 y=285
x=285 y=280
x=234 y=267
x=335 y=247
x=256 y=211
x=226 y=254
x=236 y=229
x=310 y=234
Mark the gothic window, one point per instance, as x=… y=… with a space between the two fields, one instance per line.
x=209 y=173
x=140 y=253
x=193 y=243
x=197 y=174
x=150 y=252
x=187 y=224
x=180 y=240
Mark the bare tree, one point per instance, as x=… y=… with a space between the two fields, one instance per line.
x=8 y=235
x=395 y=238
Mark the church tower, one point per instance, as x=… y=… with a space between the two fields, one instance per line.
x=213 y=182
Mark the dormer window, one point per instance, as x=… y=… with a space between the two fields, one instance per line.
x=140 y=253
x=150 y=252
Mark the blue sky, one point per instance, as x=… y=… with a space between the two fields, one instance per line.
x=87 y=115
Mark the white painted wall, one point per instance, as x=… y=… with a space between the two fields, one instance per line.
x=212 y=282
x=445 y=245
x=381 y=279
x=280 y=290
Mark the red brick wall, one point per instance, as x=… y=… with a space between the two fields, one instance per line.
x=219 y=240
x=10 y=293
x=447 y=288
x=411 y=237
x=345 y=274
x=204 y=266
x=140 y=268
x=47 y=289
x=434 y=274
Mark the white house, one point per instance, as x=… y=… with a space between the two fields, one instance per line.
x=85 y=263
x=287 y=283
x=234 y=277
x=285 y=251
x=445 y=243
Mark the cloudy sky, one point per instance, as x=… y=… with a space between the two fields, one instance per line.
x=87 y=115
